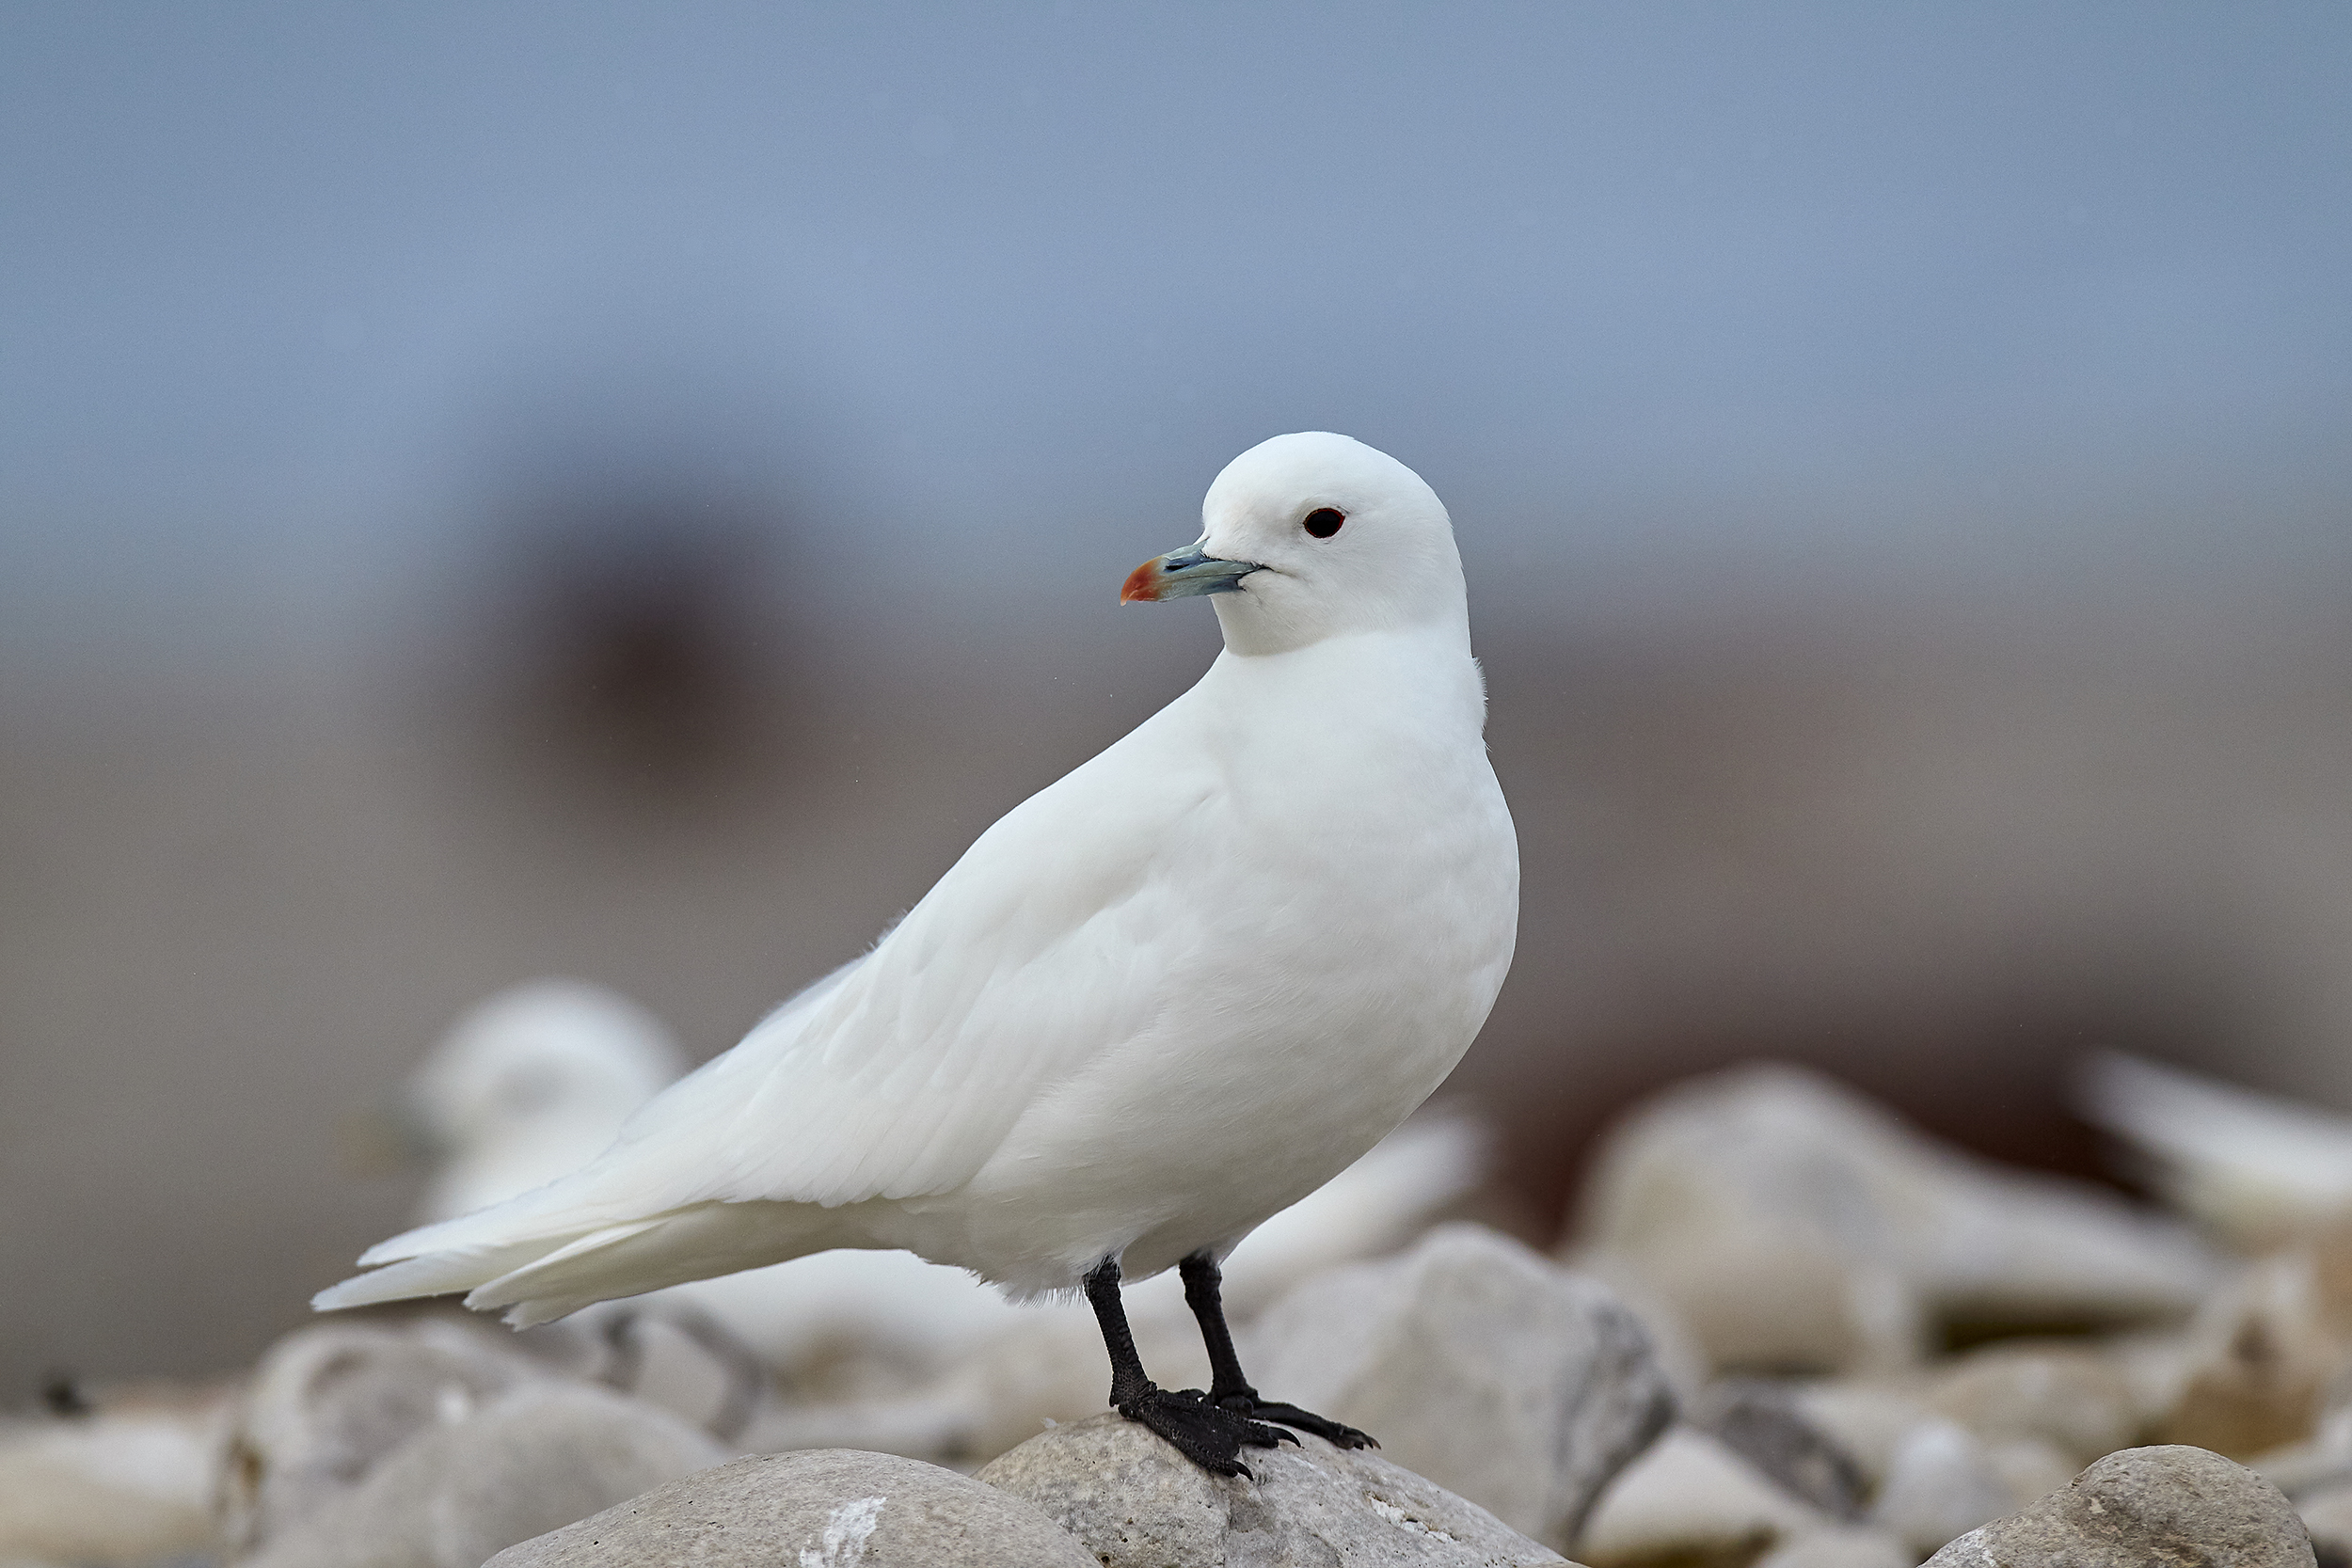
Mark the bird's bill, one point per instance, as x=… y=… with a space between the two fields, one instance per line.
x=1181 y=574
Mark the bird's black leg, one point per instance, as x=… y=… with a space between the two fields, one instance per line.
x=1206 y=1433
x=1227 y=1388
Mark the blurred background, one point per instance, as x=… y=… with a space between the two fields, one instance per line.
x=630 y=491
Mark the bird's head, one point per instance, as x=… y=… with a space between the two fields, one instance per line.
x=1310 y=536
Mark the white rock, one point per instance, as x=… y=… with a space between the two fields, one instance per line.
x=1477 y=1363
x=1794 y=1224
x=1692 y=1499
x=1942 y=1480
x=128 y=1484
x=1134 y=1502
x=528 y=1462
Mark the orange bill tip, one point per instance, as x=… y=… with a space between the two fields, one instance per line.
x=1142 y=585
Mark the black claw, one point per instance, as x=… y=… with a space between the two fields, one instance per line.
x=1331 y=1431
x=1209 y=1435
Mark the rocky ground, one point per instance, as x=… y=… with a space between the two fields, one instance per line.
x=1784 y=1331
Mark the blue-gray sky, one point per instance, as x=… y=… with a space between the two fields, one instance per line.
x=286 y=291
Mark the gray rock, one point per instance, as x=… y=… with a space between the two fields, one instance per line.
x=1761 y=1420
x=1134 y=1502
x=1478 y=1363
x=328 y=1403
x=826 y=1508
x=2144 y=1507
x=531 y=1461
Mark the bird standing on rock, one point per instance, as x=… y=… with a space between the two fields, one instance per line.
x=1156 y=1003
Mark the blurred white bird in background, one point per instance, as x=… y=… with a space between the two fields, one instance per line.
x=530 y=1085
x=2255 y=1169
x=1157 y=1003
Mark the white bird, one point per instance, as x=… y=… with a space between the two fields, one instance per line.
x=2255 y=1169
x=531 y=1085
x=1156 y=1003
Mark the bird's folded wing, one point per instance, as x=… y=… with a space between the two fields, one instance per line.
x=1055 y=938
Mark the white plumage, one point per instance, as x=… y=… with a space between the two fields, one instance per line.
x=1156 y=1003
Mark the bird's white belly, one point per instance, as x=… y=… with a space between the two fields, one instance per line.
x=1294 y=1045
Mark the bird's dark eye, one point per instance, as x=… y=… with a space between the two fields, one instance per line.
x=1323 y=522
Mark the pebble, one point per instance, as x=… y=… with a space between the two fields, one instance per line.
x=2171 y=1504
x=2073 y=1398
x=2262 y=1355
x=533 y=1459
x=1691 y=1499
x=1761 y=1420
x=128 y=1483
x=1134 y=1502
x=330 y=1400
x=825 y=1508
x=1478 y=1363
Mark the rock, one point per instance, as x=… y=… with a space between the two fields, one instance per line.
x=1867 y=1418
x=2263 y=1354
x=1134 y=1502
x=1845 y=1547
x=1761 y=1420
x=2142 y=1507
x=1943 y=1480
x=1690 y=1499
x=1795 y=1226
x=826 y=1508
x=529 y=1461
x=328 y=1403
x=2075 y=1399
x=1478 y=1364
x=2327 y=1515
x=128 y=1483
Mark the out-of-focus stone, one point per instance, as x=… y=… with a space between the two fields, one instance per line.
x=533 y=1459
x=1761 y=1420
x=328 y=1402
x=2170 y=1504
x=1867 y=1418
x=1134 y=1502
x=1690 y=1499
x=2068 y=1396
x=1477 y=1363
x=125 y=1484
x=827 y=1508
x=1795 y=1226
x=1048 y=1369
x=1941 y=1480
x=2264 y=1354
x=2327 y=1516
x=1846 y=1547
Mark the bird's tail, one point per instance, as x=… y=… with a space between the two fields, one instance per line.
x=537 y=1278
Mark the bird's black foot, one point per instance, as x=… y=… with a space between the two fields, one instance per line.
x=1305 y=1421
x=1210 y=1435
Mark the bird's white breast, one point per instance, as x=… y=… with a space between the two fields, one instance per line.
x=1338 y=901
